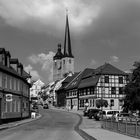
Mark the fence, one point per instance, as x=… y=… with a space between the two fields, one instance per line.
x=128 y=128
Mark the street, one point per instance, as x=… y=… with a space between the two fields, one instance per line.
x=53 y=125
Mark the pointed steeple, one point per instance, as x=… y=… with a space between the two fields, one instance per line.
x=67 y=41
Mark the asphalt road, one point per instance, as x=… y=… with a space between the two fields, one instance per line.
x=53 y=125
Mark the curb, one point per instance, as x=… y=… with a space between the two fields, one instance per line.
x=82 y=133
x=14 y=124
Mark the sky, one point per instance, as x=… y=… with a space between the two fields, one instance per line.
x=101 y=31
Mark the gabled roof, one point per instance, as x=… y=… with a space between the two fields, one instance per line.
x=39 y=82
x=109 y=69
x=75 y=82
x=25 y=74
x=89 y=81
x=68 y=80
x=89 y=72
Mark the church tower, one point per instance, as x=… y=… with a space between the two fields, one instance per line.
x=68 y=58
x=63 y=63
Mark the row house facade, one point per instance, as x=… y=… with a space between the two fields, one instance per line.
x=106 y=82
x=72 y=91
x=36 y=88
x=61 y=92
x=14 y=88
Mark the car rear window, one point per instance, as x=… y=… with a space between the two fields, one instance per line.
x=110 y=112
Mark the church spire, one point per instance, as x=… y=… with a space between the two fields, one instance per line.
x=67 y=41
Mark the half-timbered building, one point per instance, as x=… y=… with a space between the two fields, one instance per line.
x=107 y=83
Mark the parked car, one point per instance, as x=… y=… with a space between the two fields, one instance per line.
x=107 y=114
x=35 y=106
x=87 y=110
x=45 y=106
x=93 y=113
x=126 y=117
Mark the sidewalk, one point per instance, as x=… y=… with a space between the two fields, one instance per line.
x=93 y=128
x=16 y=123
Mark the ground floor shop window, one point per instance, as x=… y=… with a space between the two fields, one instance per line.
x=81 y=103
x=120 y=102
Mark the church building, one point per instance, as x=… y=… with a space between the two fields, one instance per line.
x=63 y=62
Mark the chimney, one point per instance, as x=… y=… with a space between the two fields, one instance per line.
x=2 y=56
x=7 y=59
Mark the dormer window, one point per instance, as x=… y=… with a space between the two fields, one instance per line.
x=14 y=63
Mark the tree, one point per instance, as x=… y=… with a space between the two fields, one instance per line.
x=101 y=103
x=132 y=90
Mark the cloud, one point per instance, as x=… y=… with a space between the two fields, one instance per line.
x=35 y=75
x=41 y=15
x=128 y=71
x=46 y=62
x=114 y=59
x=93 y=62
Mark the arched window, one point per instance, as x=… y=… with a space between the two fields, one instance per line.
x=63 y=61
x=70 y=61
x=55 y=64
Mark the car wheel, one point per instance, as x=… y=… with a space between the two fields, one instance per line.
x=90 y=116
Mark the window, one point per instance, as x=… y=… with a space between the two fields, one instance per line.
x=14 y=83
x=4 y=81
x=106 y=79
x=8 y=81
x=67 y=94
x=70 y=61
x=120 y=90
x=88 y=91
x=15 y=105
x=111 y=102
x=0 y=79
x=113 y=90
x=81 y=103
x=91 y=91
x=63 y=61
x=55 y=64
x=120 y=102
x=120 y=80
x=18 y=106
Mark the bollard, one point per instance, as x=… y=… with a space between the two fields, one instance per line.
x=33 y=115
